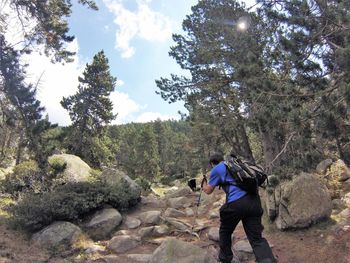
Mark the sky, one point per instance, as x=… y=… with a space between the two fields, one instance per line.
x=136 y=36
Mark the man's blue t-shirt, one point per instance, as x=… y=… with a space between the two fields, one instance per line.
x=217 y=177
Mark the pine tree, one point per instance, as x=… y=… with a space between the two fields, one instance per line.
x=90 y=109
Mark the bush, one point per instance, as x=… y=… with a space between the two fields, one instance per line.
x=69 y=202
x=143 y=183
x=57 y=164
x=25 y=177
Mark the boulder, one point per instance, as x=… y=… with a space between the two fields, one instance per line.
x=189 y=212
x=177 y=251
x=179 y=202
x=322 y=167
x=180 y=192
x=140 y=257
x=76 y=170
x=213 y=233
x=58 y=234
x=112 y=176
x=172 y=212
x=103 y=223
x=153 y=231
x=132 y=222
x=338 y=171
x=179 y=225
x=121 y=244
x=346 y=199
x=244 y=251
x=304 y=200
x=150 y=217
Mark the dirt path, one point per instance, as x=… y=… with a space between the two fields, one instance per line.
x=322 y=243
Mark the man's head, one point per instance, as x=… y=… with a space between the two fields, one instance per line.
x=216 y=158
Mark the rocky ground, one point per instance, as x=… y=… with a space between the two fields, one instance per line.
x=156 y=219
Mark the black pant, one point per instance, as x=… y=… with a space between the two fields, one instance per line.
x=249 y=210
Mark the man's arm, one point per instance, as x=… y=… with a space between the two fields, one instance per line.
x=207 y=188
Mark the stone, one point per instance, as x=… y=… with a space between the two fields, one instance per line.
x=213 y=233
x=121 y=244
x=57 y=234
x=346 y=199
x=76 y=169
x=150 y=217
x=103 y=223
x=189 y=212
x=179 y=202
x=177 y=251
x=322 y=167
x=140 y=257
x=112 y=177
x=180 y=192
x=172 y=212
x=132 y=222
x=182 y=226
x=243 y=246
x=304 y=200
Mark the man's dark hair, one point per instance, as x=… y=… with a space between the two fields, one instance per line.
x=216 y=158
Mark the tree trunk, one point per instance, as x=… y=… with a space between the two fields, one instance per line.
x=271 y=149
x=246 y=150
x=20 y=148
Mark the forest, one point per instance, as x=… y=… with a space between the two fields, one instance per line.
x=275 y=91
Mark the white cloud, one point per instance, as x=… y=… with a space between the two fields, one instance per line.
x=152 y=116
x=123 y=106
x=119 y=83
x=144 y=23
x=55 y=81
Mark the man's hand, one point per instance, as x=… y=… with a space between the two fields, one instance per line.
x=208 y=189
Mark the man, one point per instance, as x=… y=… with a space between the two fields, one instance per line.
x=239 y=206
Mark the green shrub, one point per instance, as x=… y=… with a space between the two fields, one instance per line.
x=69 y=202
x=57 y=164
x=143 y=183
x=26 y=176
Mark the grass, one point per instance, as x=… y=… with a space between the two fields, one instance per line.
x=4 y=202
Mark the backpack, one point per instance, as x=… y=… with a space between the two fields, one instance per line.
x=247 y=176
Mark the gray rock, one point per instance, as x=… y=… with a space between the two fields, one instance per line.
x=150 y=217
x=179 y=202
x=140 y=257
x=94 y=249
x=112 y=177
x=177 y=251
x=243 y=246
x=346 y=199
x=102 y=223
x=146 y=231
x=338 y=204
x=323 y=166
x=172 y=212
x=304 y=200
x=213 y=233
x=178 y=224
x=189 y=211
x=213 y=214
x=132 y=222
x=345 y=213
x=121 y=244
x=181 y=192
x=153 y=231
x=76 y=169
x=161 y=230
x=57 y=234
x=122 y=232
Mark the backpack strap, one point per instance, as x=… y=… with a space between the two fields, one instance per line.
x=227 y=184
